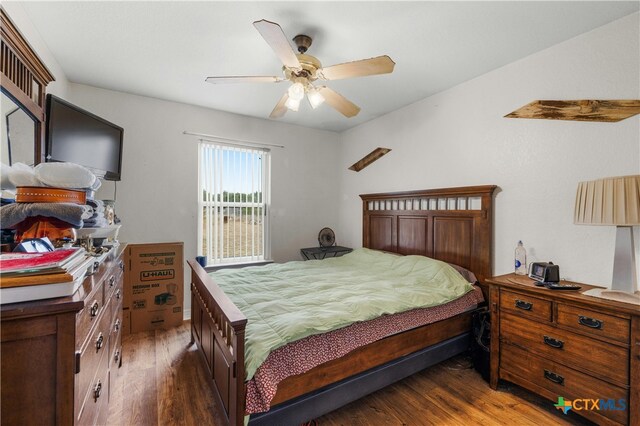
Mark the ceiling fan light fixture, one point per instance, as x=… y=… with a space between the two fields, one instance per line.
x=292 y=104
x=302 y=70
x=315 y=98
x=296 y=92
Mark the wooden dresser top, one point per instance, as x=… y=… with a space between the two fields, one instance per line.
x=525 y=284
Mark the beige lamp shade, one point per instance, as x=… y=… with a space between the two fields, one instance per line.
x=608 y=201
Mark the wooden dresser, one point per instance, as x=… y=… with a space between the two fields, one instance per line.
x=560 y=343
x=59 y=355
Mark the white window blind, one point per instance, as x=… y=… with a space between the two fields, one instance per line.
x=233 y=203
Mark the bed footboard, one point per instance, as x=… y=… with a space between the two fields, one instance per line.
x=217 y=327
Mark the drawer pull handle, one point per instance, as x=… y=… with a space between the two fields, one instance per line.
x=95 y=306
x=116 y=327
x=118 y=294
x=99 y=342
x=97 y=391
x=112 y=280
x=554 y=343
x=590 y=322
x=524 y=305
x=555 y=378
x=116 y=357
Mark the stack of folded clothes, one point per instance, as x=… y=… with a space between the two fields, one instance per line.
x=37 y=220
x=98 y=217
x=50 y=200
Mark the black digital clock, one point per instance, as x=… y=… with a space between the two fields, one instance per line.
x=545 y=272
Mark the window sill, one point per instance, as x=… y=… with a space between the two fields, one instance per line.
x=213 y=268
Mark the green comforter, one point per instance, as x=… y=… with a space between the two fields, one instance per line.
x=286 y=302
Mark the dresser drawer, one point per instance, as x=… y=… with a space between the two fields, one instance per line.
x=111 y=283
x=562 y=381
x=93 y=308
x=116 y=318
x=118 y=294
x=594 y=323
x=116 y=355
x=567 y=348
x=116 y=339
x=104 y=271
x=95 y=400
x=91 y=354
x=525 y=305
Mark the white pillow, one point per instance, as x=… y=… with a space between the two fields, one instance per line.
x=23 y=175
x=5 y=182
x=65 y=175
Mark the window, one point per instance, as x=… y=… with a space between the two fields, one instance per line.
x=233 y=203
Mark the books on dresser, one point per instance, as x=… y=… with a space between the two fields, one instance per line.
x=20 y=264
x=35 y=276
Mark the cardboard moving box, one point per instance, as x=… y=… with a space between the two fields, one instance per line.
x=154 y=285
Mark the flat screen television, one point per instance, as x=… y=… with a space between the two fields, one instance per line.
x=78 y=136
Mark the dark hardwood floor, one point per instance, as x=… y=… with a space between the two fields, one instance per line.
x=160 y=383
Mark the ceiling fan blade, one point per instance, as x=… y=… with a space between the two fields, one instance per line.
x=280 y=108
x=339 y=102
x=243 y=79
x=274 y=36
x=373 y=66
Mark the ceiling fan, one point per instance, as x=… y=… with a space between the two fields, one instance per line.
x=303 y=70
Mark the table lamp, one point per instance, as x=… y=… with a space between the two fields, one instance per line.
x=614 y=201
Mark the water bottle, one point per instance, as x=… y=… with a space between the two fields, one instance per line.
x=521 y=259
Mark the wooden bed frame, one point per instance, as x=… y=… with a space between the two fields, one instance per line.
x=452 y=224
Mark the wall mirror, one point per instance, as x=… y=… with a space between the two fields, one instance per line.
x=19 y=134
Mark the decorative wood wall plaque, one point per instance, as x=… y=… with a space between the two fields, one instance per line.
x=581 y=110
x=369 y=158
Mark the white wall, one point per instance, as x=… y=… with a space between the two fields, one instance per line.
x=157 y=197
x=459 y=138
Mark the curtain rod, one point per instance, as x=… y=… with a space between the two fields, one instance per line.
x=233 y=141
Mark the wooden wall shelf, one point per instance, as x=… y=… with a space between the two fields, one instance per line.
x=580 y=110
x=369 y=158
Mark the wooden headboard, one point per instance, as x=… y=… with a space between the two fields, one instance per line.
x=454 y=225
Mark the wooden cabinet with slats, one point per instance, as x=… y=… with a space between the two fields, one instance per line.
x=59 y=356
x=564 y=344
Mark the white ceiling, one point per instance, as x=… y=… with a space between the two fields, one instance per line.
x=166 y=49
